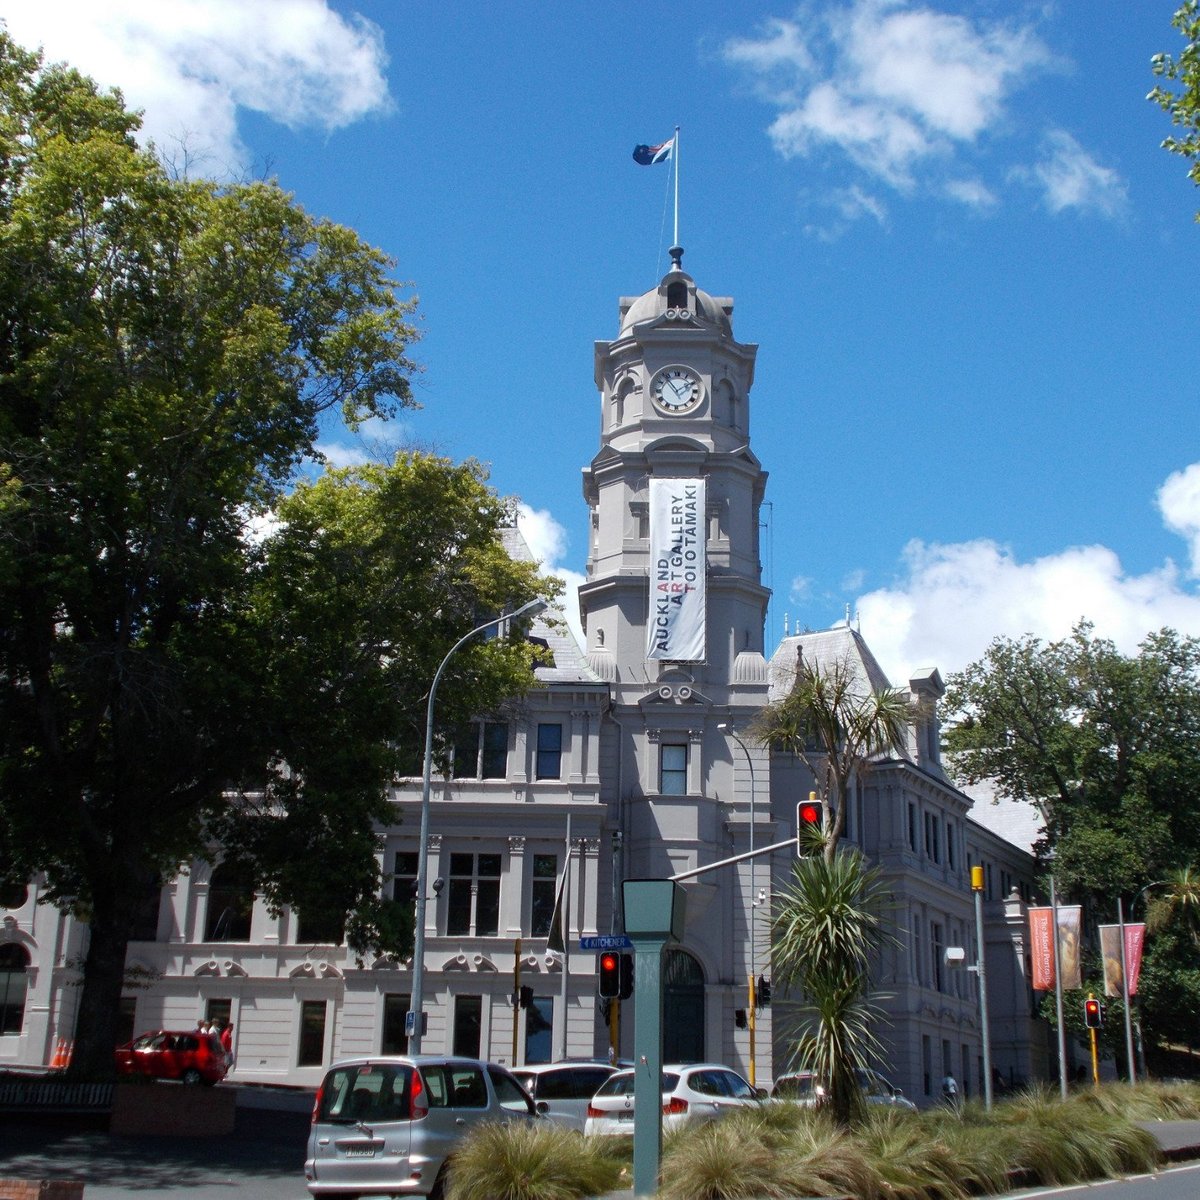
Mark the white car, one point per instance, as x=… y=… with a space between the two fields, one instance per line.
x=803 y=1088
x=690 y=1092
x=562 y=1090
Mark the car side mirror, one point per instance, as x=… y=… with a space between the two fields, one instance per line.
x=542 y=1108
x=761 y=1093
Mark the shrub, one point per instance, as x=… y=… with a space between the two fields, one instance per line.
x=532 y=1161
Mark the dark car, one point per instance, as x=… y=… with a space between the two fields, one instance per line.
x=187 y=1055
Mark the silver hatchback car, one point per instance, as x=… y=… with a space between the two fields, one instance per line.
x=388 y=1125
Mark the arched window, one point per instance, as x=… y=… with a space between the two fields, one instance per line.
x=683 y=1007
x=14 y=965
x=230 y=903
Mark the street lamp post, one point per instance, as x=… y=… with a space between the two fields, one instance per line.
x=414 y=1021
x=752 y=1015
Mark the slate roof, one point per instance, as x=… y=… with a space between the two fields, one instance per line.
x=821 y=649
x=570 y=665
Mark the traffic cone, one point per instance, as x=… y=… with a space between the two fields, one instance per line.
x=56 y=1060
x=67 y=1052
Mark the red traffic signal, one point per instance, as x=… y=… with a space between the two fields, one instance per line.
x=615 y=975
x=608 y=967
x=810 y=823
x=1093 y=1013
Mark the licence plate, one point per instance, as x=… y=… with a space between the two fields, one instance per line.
x=359 y=1151
x=625 y=1115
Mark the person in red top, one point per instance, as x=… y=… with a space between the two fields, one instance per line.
x=227 y=1043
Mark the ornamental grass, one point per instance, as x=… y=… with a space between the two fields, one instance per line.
x=533 y=1161
x=785 y=1151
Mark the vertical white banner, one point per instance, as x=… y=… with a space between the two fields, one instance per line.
x=675 y=629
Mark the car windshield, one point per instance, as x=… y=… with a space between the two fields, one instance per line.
x=368 y=1092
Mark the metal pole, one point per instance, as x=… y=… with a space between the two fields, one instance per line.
x=566 y=936
x=1125 y=993
x=415 y=1018
x=1058 y=996
x=752 y=1022
x=981 y=974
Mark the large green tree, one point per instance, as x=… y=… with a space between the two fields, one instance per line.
x=167 y=350
x=1183 y=106
x=1107 y=745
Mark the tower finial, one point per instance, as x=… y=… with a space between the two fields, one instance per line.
x=676 y=258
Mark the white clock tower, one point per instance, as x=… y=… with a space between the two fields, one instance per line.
x=673 y=611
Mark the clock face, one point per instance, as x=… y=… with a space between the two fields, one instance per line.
x=676 y=390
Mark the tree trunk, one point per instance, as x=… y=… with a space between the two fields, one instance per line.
x=100 y=998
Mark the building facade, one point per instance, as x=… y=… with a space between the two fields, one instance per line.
x=631 y=761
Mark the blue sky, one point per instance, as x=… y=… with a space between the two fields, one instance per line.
x=948 y=226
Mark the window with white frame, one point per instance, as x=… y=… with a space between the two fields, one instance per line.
x=672 y=769
x=481 y=751
x=473 y=897
x=549 y=750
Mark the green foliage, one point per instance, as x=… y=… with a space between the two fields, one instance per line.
x=167 y=349
x=1182 y=106
x=1108 y=746
x=834 y=721
x=826 y=928
x=534 y=1160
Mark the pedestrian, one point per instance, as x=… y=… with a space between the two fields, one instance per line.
x=950 y=1091
x=227 y=1043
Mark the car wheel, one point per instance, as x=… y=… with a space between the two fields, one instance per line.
x=191 y=1077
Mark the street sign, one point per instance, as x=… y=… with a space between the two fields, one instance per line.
x=611 y=941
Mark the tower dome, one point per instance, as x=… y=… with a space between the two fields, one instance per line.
x=677 y=298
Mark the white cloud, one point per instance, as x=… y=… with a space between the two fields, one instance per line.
x=192 y=64
x=1179 y=503
x=1069 y=177
x=904 y=92
x=548 y=542
x=952 y=600
x=971 y=192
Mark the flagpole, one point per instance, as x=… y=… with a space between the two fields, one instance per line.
x=566 y=938
x=675 y=156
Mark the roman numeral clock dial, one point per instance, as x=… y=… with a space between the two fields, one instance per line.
x=676 y=390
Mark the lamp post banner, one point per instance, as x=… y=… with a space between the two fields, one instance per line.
x=1041 y=930
x=677 y=570
x=1041 y=925
x=1110 y=951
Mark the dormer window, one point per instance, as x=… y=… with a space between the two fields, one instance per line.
x=677 y=294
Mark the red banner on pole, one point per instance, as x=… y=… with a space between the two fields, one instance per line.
x=1041 y=946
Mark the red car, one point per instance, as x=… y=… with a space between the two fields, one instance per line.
x=189 y=1056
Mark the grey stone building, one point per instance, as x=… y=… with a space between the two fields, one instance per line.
x=630 y=762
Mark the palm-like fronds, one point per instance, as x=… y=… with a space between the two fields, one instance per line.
x=834 y=720
x=826 y=927
x=1178 y=905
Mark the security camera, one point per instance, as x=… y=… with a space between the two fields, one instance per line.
x=955 y=956
x=438 y=884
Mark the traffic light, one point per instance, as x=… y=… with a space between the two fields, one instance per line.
x=608 y=967
x=1093 y=1013
x=762 y=993
x=810 y=823
x=739 y=1018
x=526 y=996
x=625 y=974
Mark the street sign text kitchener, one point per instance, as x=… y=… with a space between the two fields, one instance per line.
x=611 y=941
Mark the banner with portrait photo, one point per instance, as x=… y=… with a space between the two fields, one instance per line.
x=676 y=627
x=1041 y=945
x=1110 y=952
